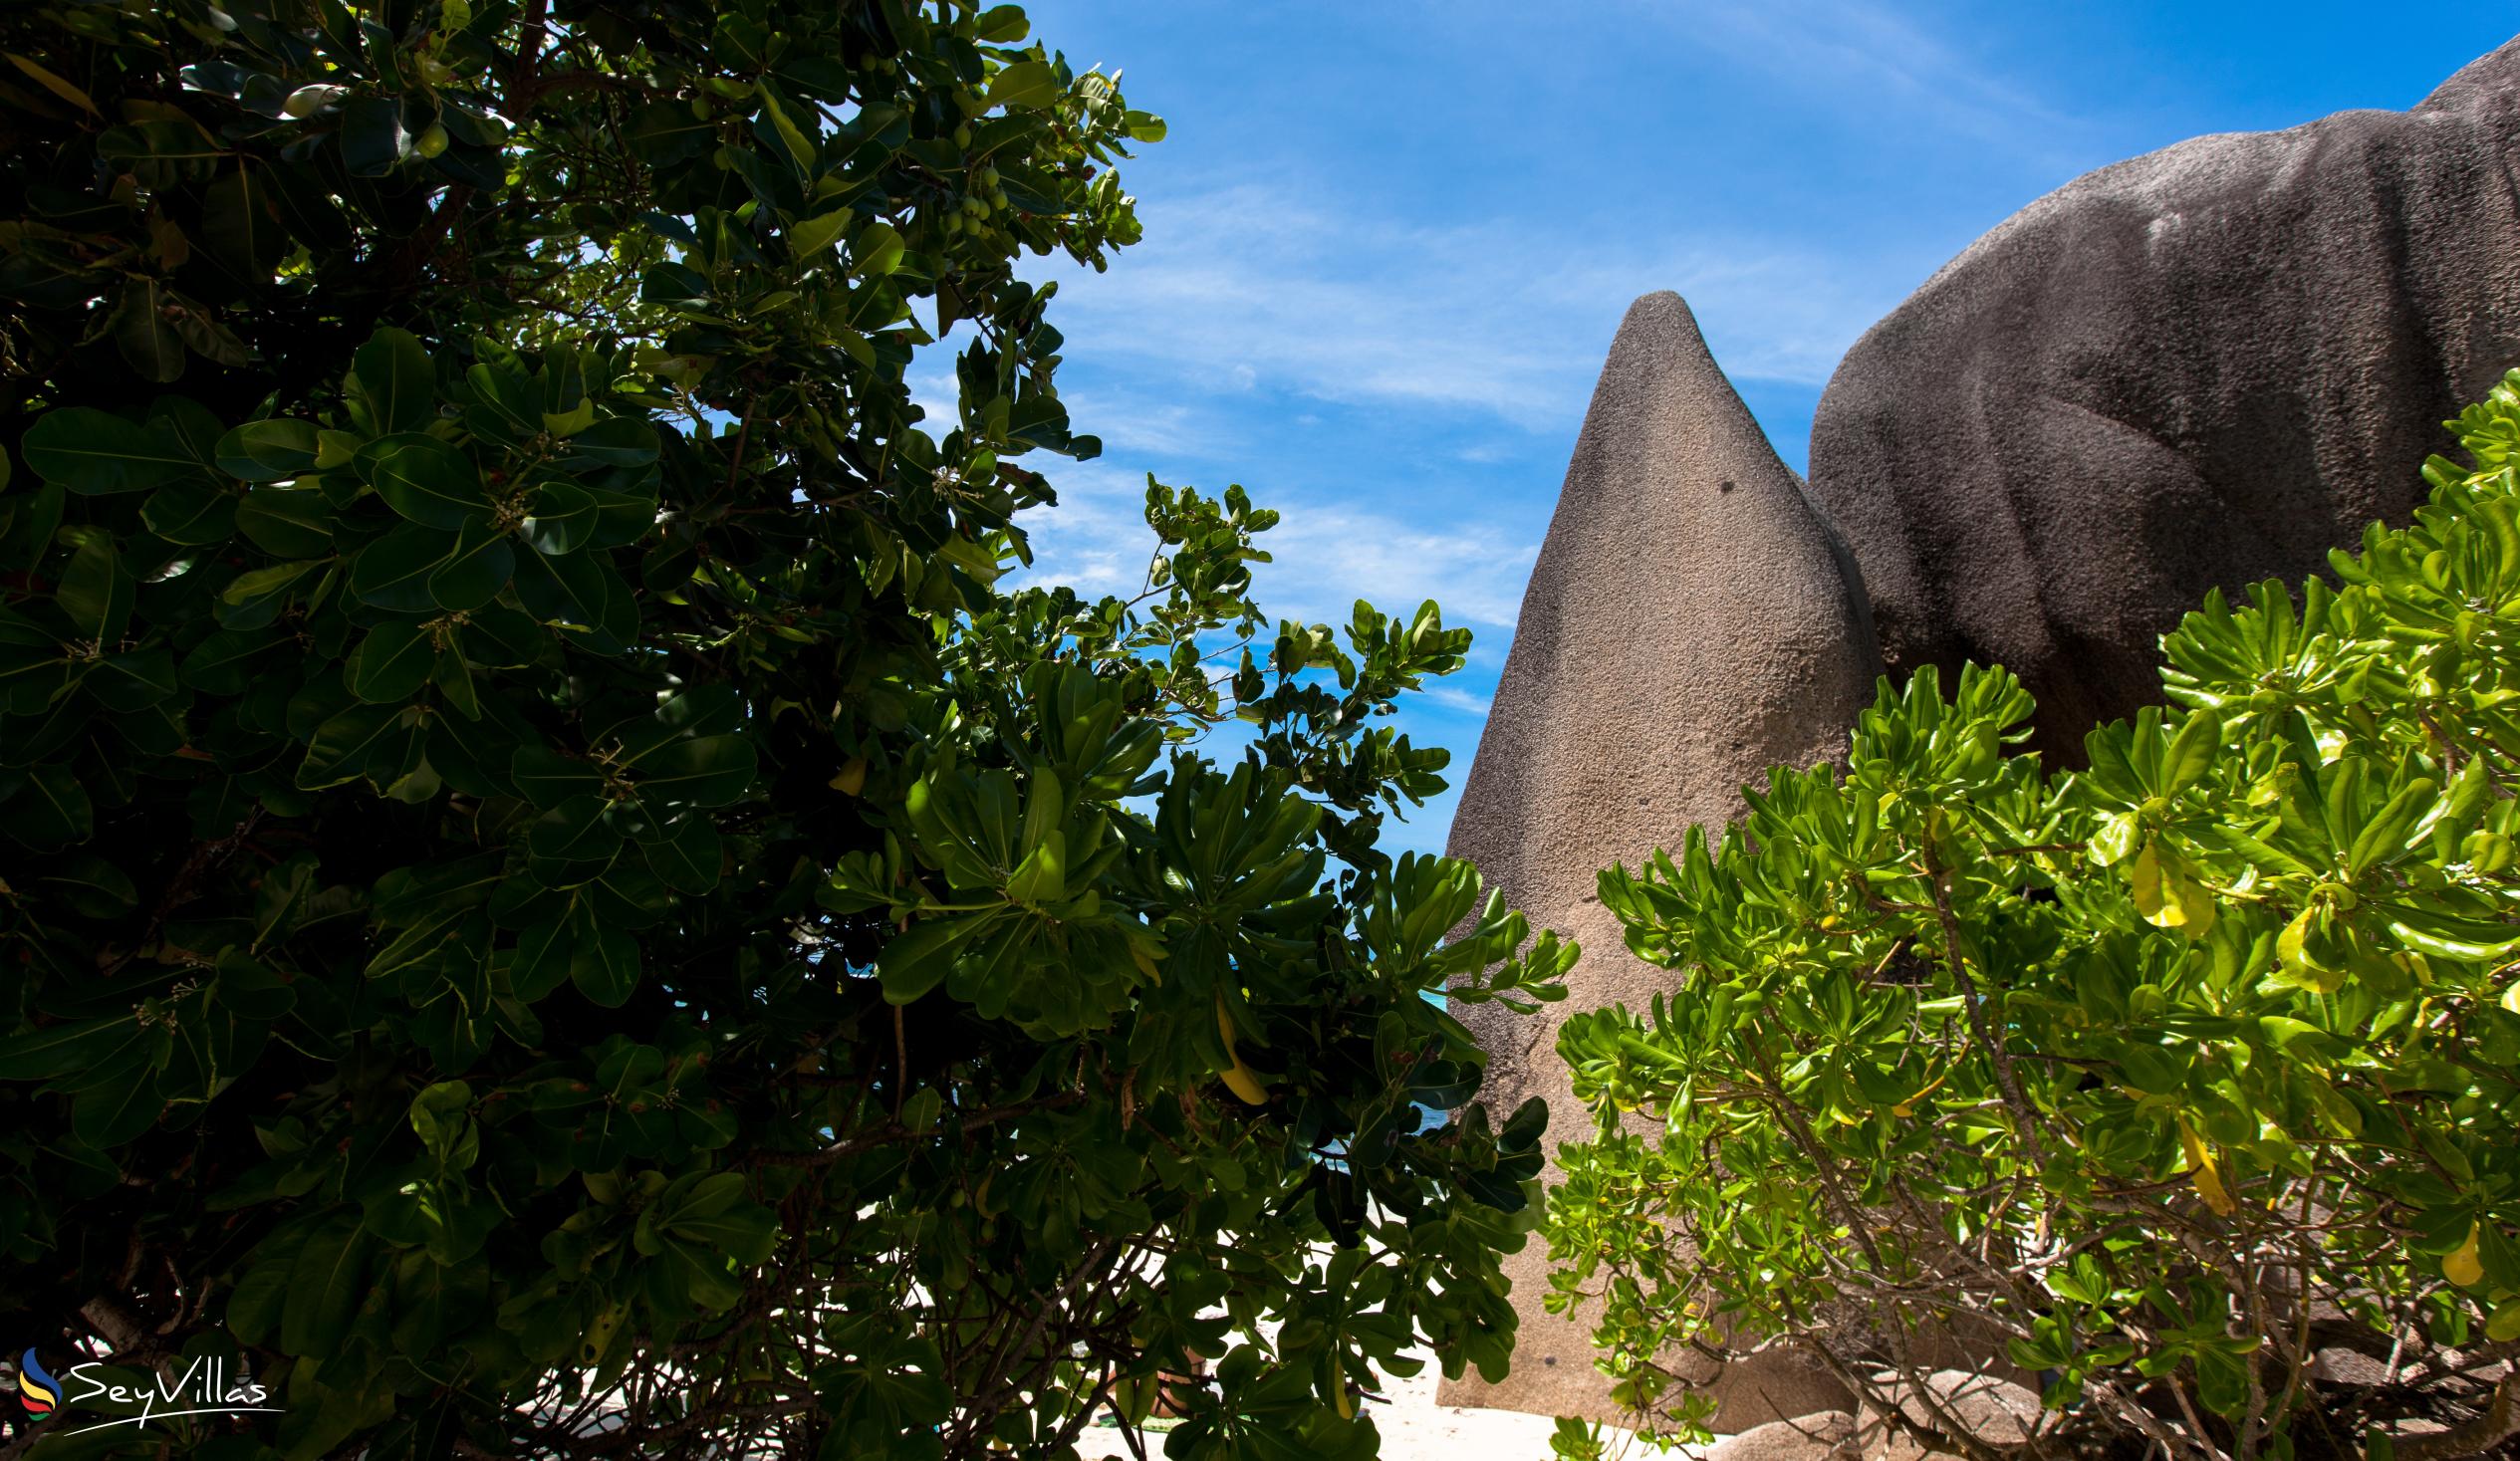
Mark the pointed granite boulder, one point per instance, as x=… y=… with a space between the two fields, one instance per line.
x=1691 y=620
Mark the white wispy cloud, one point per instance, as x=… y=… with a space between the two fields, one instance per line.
x=1254 y=288
x=1095 y=540
x=1276 y=284
x=1325 y=556
x=1131 y=421
x=1264 y=283
x=1454 y=698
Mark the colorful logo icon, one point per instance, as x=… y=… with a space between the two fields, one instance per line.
x=38 y=1391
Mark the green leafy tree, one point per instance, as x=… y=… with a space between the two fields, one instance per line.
x=2147 y=1082
x=552 y=899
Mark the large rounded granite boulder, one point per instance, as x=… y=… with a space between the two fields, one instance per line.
x=2200 y=368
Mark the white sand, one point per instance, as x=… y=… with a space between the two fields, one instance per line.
x=1416 y=1428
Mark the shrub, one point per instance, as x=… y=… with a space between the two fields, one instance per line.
x=2153 y=1079
x=554 y=901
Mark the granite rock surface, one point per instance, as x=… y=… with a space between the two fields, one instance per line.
x=1690 y=623
x=2202 y=368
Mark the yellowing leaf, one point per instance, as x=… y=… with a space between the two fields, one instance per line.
x=2203 y=1174
x=1238 y=1076
x=54 y=84
x=2464 y=1268
x=851 y=780
x=1907 y=1107
x=2167 y=893
x=2146 y=875
x=1242 y=1083
x=2295 y=953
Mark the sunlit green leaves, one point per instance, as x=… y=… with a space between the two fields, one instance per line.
x=2235 y=990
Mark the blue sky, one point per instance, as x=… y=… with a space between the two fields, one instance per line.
x=1388 y=241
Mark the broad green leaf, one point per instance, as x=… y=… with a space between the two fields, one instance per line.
x=543 y=957
x=472 y=753
x=95 y=591
x=812 y=235
x=54 y=84
x=687 y=855
x=135 y=681
x=1003 y=25
x=268 y=451
x=582 y=594
x=344 y=745
x=115 y=1112
x=452 y=674
x=253 y=1311
x=620 y=518
x=90 y=887
x=548 y=778
x=191 y=514
x=473 y=574
x=577 y=830
x=287 y=522
x=428 y=481
x=43 y=1052
x=391 y=663
x=93 y=454
x=373 y=141
x=2167 y=893
x=876 y=250
x=564 y=517
x=615 y=441
x=2115 y=840
x=392 y=385
x=240 y=222
x=709 y=771
x=1024 y=83
x=568 y=423
x=253 y=599
x=1042 y=876
x=143 y=328
x=327 y=1284
x=222 y=664
x=603 y=963
x=917 y=961
x=393 y=572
